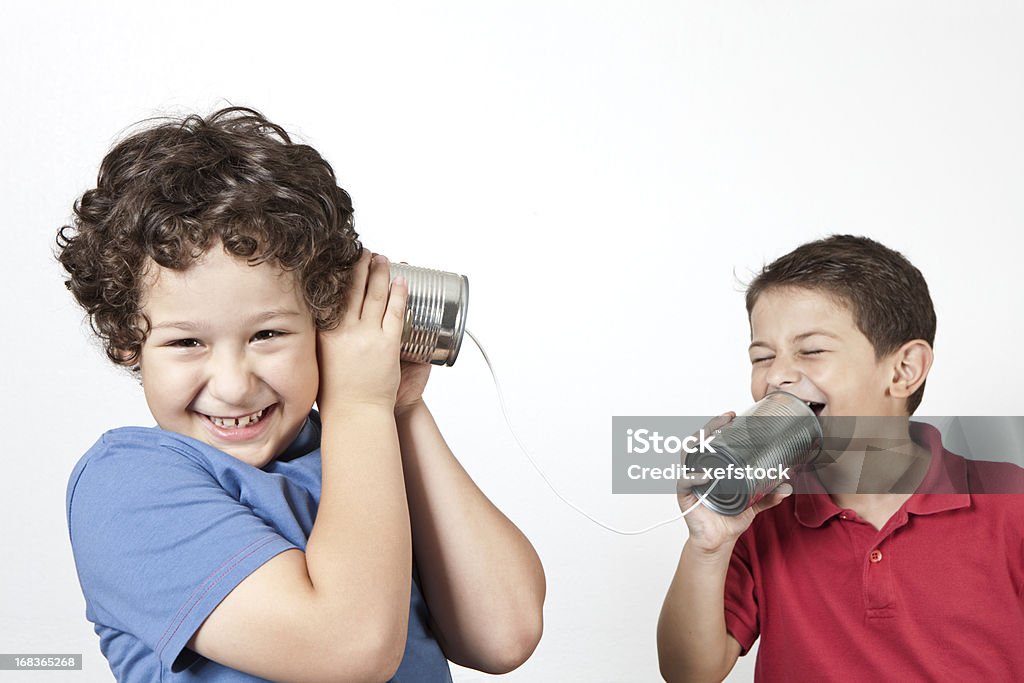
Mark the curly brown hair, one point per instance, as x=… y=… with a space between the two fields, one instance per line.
x=885 y=292
x=168 y=193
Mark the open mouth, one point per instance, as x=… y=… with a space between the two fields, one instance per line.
x=815 y=407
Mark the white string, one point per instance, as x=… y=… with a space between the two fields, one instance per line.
x=508 y=422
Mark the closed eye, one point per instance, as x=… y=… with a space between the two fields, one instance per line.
x=268 y=334
x=755 y=361
x=184 y=343
x=812 y=353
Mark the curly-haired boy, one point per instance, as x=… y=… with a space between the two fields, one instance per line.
x=249 y=537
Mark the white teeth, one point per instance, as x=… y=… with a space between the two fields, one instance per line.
x=237 y=422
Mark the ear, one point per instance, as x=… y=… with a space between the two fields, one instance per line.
x=124 y=359
x=121 y=357
x=910 y=364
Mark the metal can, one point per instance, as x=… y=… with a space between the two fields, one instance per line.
x=435 y=317
x=778 y=432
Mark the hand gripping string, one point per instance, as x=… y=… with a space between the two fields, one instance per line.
x=512 y=431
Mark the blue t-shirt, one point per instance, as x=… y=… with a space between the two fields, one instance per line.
x=163 y=527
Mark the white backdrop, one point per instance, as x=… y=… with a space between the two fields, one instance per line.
x=605 y=173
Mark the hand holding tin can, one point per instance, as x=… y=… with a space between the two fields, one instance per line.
x=357 y=359
x=709 y=530
x=756 y=451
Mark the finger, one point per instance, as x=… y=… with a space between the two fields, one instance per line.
x=356 y=291
x=773 y=498
x=685 y=493
x=377 y=289
x=691 y=481
x=783 y=490
x=719 y=422
x=699 y=478
x=394 y=316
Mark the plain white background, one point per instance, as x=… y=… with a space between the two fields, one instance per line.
x=606 y=173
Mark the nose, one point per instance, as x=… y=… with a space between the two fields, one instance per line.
x=231 y=379
x=782 y=374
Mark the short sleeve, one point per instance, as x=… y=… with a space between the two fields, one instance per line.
x=158 y=542
x=741 y=618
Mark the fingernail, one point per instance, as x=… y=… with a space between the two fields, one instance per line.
x=784 y=489
x=400 y=280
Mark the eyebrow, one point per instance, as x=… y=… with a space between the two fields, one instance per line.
x=798 y=338
x=252 y=320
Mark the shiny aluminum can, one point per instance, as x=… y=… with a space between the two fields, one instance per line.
x=435 y=317
x=779 y=431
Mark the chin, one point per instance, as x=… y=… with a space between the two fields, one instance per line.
x=257 y=459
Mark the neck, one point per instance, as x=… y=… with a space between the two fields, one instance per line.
x=871 y=459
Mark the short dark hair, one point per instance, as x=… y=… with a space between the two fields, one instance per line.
x=886 y=294
x=173 y=190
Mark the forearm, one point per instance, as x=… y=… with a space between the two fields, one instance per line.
x=359 y=554
x=483 y=580
x=692 y=638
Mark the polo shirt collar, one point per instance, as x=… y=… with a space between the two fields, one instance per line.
x=945 y=480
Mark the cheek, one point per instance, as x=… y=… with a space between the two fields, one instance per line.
x=880 y=379
x=298 y=374
x=307 y=381
x=824 y=374
x=842 y=385
x=168 y=387
x=758 y=383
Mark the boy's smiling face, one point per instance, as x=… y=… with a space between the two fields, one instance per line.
x=805 y=343
x=230 y=359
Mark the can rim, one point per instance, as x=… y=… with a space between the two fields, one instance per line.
x=460 y=323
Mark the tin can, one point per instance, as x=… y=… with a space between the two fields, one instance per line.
x=435 y=317
x=780 y=432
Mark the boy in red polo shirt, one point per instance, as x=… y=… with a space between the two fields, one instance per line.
x=888 y=564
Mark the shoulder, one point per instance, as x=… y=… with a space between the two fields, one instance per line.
x=995 y=489
x=132 y=461
x=984 y=476
x=127 y=446
x=116 y=441
x=991 y=486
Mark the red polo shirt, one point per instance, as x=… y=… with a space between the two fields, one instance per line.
x=936 y=595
